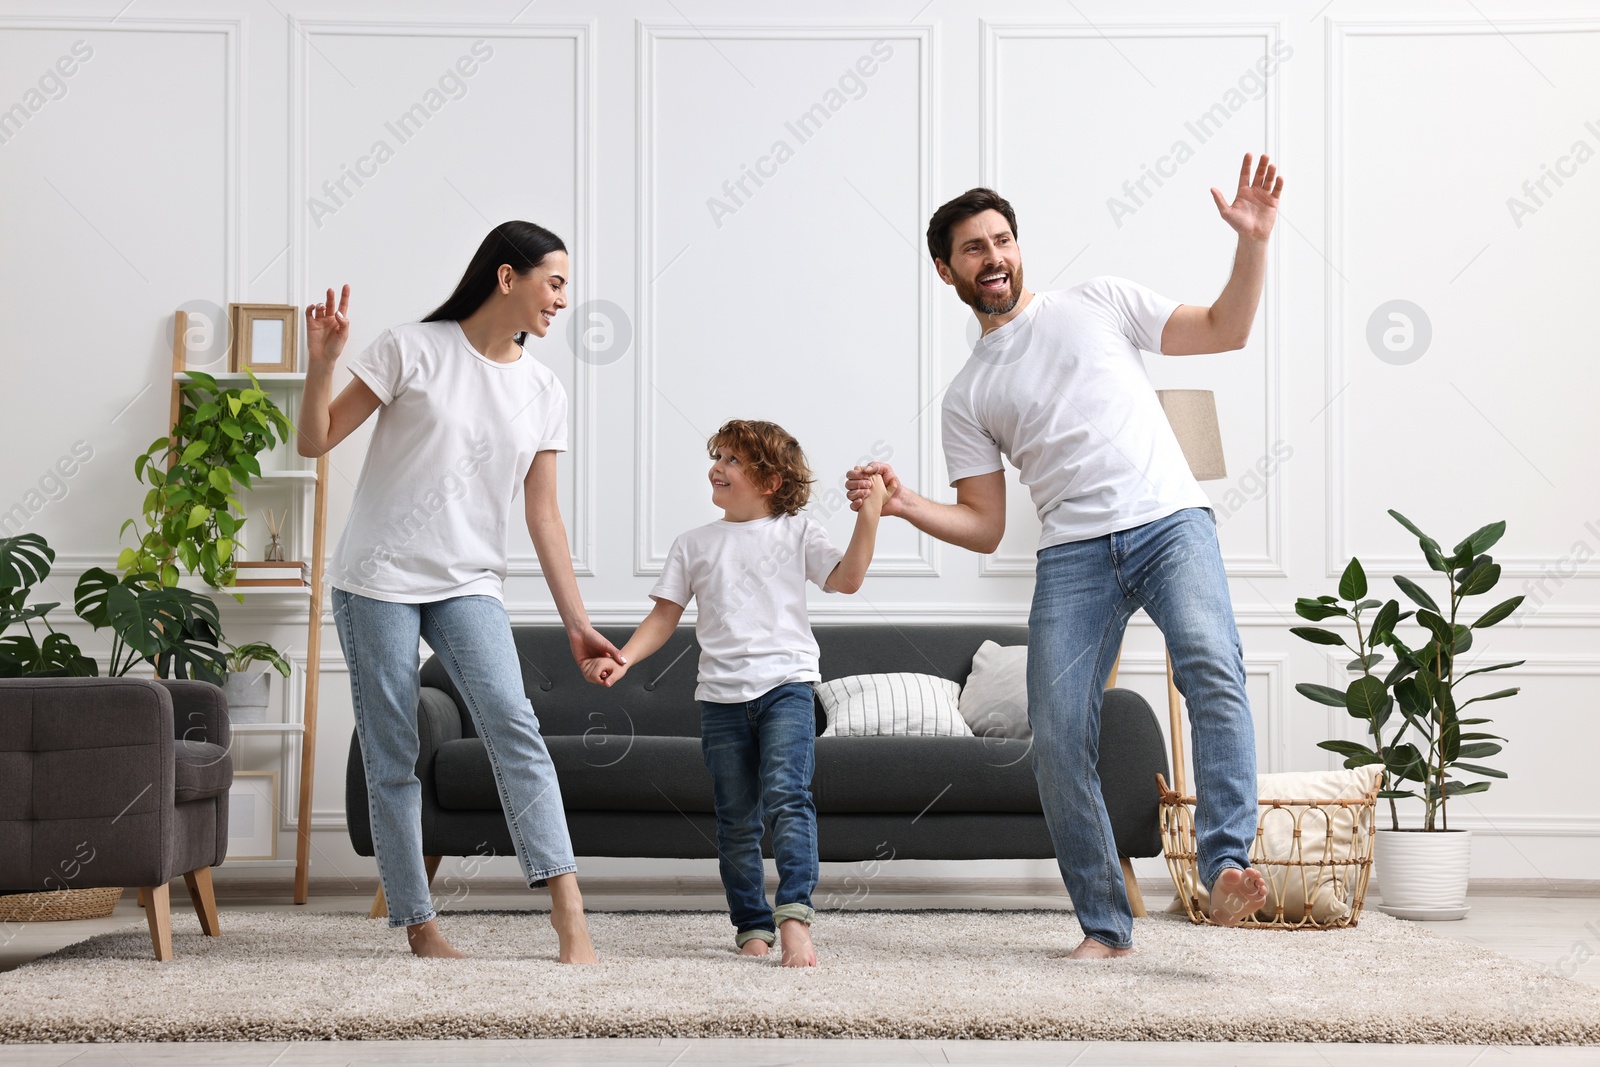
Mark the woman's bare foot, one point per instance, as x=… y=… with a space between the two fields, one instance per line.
x=1091 y=949
x=1237 y=894
x=566 y=916
x=754 y=947
x=798 y=951
x=426 y=941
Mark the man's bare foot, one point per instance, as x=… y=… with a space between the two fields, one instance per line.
x=754 y=947
x=572 y=932
x=1091 y=949
x=426 y=941
x=798 y=951
x=1237 y=894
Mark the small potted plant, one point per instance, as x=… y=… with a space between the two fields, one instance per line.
x=1429 y=742
x=247 y=690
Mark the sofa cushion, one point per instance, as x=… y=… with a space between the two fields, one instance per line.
x=201 y=770
x=891 y=705
x=994 y=700
x=853 y=775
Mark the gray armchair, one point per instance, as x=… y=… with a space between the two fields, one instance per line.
x=115 y=782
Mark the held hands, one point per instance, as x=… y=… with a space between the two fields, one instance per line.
x=604 y=671
x=327 y=329
x=594 y=652
x=1255 y=206
x=874 y=485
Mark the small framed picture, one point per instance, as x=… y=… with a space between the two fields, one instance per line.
x=253 y=816
x=264 y=337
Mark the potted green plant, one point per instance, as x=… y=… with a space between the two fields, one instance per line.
x=175 y=630
x=191 y=512
x=247 y=690
x=1413 y=711
x=25 y=561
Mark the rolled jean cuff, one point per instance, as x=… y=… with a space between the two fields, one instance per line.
x=802 y=912
x=395 y=923
x=745 y=936
x=552 y=872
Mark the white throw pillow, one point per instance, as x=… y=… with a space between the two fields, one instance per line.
x=867 y=705
x=994 y=702
x=1328 y=893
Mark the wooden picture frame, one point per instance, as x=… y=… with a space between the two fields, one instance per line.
x=253 y=816
x=264 y=337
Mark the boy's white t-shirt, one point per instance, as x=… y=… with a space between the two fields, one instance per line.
x=749 y=581
x=455 y=438
x=1062 y=391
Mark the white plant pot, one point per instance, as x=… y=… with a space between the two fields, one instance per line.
x=1423 y=874
x=247 y=696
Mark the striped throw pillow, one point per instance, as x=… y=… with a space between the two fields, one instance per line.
x=899 y=705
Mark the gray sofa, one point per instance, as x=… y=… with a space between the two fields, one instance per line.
x=115 y=782
x=634 y=784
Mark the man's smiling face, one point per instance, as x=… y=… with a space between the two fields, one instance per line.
x=985 y=263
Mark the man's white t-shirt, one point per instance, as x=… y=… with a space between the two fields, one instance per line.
x=455 y=438
x=1062 y=391
x=749 y=580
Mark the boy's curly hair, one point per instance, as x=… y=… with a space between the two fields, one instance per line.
x=765 y=449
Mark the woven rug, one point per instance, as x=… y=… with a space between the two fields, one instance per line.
x=885 y=974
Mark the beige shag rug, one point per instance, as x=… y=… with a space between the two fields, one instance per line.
x=884 y=974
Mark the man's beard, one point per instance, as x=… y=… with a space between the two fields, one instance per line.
x=986 y=303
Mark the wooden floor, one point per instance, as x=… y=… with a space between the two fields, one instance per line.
x=1559 y=930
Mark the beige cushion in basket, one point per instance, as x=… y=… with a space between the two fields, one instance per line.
x=1328 y=893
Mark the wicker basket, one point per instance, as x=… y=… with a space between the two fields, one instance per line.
x=1294 y=883
x=58 y=904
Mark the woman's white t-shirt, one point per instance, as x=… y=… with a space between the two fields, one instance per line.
x=1063 y=392
x=749 y=582
x=455 y=438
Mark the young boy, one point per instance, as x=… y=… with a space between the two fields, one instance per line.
x=758 y=663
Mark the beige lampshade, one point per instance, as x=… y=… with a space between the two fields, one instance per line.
x=1193 y=414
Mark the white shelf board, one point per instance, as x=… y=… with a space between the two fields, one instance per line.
x=267 y=727
x=298 y=476
x=230 y=862
x=281 y=377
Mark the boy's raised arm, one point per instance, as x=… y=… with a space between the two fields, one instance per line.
x=851 y=571
x=652 y=633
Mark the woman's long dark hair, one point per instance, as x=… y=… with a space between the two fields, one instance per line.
x=521 y=244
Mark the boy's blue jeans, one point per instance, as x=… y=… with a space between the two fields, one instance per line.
x=761 y=754
x=472 y=637
x=1085 y=593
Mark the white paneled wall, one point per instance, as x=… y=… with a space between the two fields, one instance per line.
x=745 y=191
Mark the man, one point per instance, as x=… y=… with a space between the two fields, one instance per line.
x=1057 y=385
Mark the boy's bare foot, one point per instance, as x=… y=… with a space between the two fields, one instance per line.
x=1090 y=949
x=1237 y=894
x=426 y=941
x=754 y=947
x=572 y=931
x=798 y=951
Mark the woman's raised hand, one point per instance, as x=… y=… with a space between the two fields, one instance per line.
x=327 y=329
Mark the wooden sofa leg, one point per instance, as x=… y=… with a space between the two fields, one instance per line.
x=204 y=899
x=1135 y=898
x=158 y=912
x=380 y=906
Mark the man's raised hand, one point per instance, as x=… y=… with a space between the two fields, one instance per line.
x=1255 y=206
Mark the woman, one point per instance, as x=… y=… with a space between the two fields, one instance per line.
x=467 y=417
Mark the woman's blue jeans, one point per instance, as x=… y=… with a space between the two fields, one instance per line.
x=1085 y=593
x=472 y=637
x=761 y=754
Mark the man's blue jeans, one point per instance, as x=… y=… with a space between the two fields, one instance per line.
x=761 y=754
x=1085 y=593
x=472 y=637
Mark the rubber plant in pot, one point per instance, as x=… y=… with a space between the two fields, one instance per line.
x=1413 y=711
x=247 y=690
